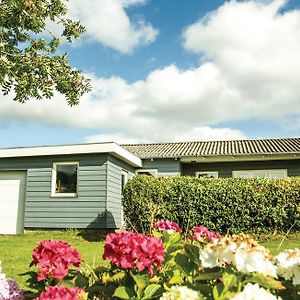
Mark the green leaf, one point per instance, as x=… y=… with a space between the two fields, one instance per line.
x=175 y=238
x=107 y=277
x=81 y=281
x=118 y=277
x=176 y=278
x=141 y=280
x=265 y=281
x=153 y=290
x=173 y=248
x=124 y=292
x=209 y=274
x=229 y=281
x=185 y=264
x=68 y=284
x=193 y=252
x=217 y=291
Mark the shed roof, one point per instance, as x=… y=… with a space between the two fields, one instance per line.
x=216 y=148
x=107 y=147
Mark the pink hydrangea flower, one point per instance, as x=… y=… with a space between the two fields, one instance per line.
x=9 y=290
x=167 y=225
x=203 y=232
x=128 y=249
x=54 y=258
x=61 y=293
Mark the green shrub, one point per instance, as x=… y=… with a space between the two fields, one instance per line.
x=230 y=205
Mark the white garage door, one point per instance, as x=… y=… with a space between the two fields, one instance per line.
x=12 y=199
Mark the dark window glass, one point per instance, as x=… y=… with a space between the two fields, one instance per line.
x=123 y=180
x=145 y=173
x=66 y=179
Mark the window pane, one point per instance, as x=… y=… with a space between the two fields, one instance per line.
x=260 y=174
x=208 y=174
x=66 y=178
x=277 y=174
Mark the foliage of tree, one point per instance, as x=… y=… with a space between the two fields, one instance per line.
x=29 y=63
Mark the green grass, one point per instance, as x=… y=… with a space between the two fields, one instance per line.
x=15 y=251
x=279 y=242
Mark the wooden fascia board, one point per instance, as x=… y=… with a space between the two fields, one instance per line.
x=110 y=147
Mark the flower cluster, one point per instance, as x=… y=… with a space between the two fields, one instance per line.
x=253 y=292
x=180 y=293
x=62 y=293
x=54 y=258
x=9 y=290
x=202 y=233
x=288 y=265
x=128 y=249
x=241 y=251
x=167 y=225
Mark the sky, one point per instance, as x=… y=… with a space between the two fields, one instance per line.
x=172 y=70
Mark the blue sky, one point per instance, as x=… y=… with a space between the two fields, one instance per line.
x=172 y=70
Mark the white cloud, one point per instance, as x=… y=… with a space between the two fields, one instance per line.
x=256 y=50
x=107 y=22
x=250 y=70
x=117 y=137
x=204 y=133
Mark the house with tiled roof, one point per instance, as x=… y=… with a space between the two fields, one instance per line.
x=274 y=158
x=80 y=186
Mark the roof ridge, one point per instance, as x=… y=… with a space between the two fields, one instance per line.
x=213 y=141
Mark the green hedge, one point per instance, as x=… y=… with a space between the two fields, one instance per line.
x=225 y=205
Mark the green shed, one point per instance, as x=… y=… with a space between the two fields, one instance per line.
x=69 y=186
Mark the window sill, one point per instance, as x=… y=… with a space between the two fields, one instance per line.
x=64 y=196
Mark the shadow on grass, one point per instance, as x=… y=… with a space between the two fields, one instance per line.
x=96 y=231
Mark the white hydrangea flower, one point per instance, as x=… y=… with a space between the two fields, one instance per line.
x=226 y=254
x=241 y=251
x=254 y=292
x=288 y=265
x=248 y=262
x=181 y=293
x=2 y=275
x=209 y=257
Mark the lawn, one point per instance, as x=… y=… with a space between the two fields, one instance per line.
x=15 y=251
x=279 y=242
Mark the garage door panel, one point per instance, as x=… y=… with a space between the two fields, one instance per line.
x=8 y=226
x=12 y=198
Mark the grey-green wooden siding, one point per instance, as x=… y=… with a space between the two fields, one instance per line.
x=98 y=181
x=114 y=190
x=225 y=169
x=164 y=166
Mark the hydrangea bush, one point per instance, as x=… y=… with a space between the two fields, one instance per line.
x=63 y=293
x=9 y=289
x=54 y=258
x=166 y=265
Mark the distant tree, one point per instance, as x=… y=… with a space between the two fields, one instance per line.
x=28 y=64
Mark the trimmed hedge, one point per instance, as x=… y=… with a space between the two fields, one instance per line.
x=230 y=205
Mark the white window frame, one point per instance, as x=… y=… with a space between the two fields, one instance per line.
x=215 y=174
x=237 y=173
x=125 y=174
x=53 y=181
x=153 y=172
